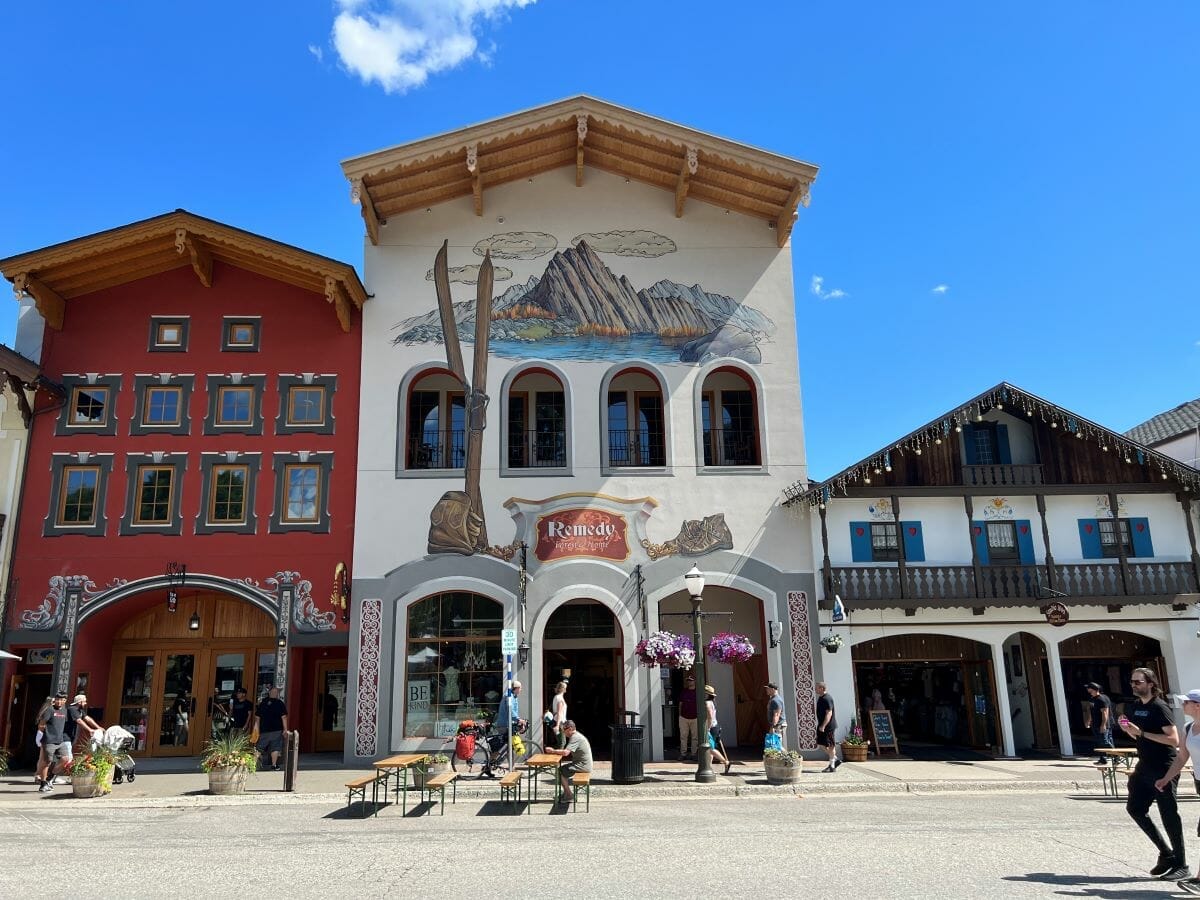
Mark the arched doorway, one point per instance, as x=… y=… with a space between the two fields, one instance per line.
x=582 y=645
x=939 y=688
x=173 y=674
x=1030 y=694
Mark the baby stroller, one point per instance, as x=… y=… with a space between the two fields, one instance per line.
x=120 y=742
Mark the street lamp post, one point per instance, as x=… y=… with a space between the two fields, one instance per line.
x=694 y=580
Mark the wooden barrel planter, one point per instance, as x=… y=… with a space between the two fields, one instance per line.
x=855 y=752
x=90 y=786
x=419 y=776
x=230 y=780
x=783 y=773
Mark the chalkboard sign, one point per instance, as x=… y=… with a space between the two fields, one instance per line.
x=881 y=728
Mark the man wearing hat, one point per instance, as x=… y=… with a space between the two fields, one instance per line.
x=1099 y=720
x=52 y=738
x=241 y=710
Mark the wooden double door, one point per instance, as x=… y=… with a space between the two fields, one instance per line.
x=175 y=698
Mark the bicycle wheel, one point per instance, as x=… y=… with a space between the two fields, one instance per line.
x=532 y=748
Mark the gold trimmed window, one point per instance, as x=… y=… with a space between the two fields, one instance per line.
x=227 y=502
x=162 y=406
x=89 y=405
x=77 y=505
x=156 y=488
x=306 y=406
x=241 y=334
x=303 y=498
x=235 y=405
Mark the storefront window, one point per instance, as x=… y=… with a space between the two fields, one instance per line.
x=454 y=667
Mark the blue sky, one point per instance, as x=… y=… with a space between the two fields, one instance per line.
x=1036 y=160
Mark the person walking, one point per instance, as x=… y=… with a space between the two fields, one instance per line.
x=826 y=726
x=776 y=723
x=558 y=713
x=1189 y=748
x=714 y=730
x=82 y=728
x=1150 y=724
x=1099 y=720
x=56 y=754
x=241 y=711
x=271 y=720
x=689 y=743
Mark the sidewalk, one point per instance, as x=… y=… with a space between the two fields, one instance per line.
x=179 y=782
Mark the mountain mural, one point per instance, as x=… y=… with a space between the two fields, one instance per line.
x=578 y=295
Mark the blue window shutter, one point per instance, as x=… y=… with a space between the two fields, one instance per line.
x=1089 y=539
x=1025 y=541
x=1002 y=447
x=968 y=439
x=914 y=541
x=979 y=533
x=1139 y=531
x=860 y=541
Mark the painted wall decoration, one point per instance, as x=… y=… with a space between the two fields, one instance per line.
x=579 y=308
x=696 y=537
x=1103 y=510
x=881 y=510
x=366 y=698
x=802 y=669
x=998 y=508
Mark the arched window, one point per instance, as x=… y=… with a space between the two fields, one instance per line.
x=729 y=419
x=635 y=411
x=537 y=419
x=435 y=422
x=454 y=666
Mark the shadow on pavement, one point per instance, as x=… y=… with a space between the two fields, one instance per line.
x=1115 y=887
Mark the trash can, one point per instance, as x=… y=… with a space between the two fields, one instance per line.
x=627 y=761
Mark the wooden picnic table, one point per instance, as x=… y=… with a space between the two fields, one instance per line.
x=1115 y=756
x=398 y=766
x=536 y=763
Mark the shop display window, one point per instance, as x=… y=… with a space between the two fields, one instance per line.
x=454 y=668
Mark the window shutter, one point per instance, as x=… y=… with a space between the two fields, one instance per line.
x=1139 y=531
x=968 y=439
x=1089 y=539
x=979 y=535
x=914 y=542
x=1002 y=448
x=1025 y=542
x=860 y=541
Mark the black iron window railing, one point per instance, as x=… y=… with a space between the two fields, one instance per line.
x=438 y=450
x=538 y=449
x=636 y=448
x=729 y=447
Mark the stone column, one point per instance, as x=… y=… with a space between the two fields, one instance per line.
x=1059 y=692
x=1003 y=708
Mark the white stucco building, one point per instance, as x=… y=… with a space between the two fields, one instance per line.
x=642 y=415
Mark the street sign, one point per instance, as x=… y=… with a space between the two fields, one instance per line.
x=508 y=641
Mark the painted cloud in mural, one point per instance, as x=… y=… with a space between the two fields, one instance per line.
x=518 y=245
x=470 y=274
x=634 y=242
x=580 y=309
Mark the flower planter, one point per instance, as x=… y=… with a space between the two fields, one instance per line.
x=90 y=785
x=230 y=780
x=855 y=752
x=783 y=773
x=419 y=776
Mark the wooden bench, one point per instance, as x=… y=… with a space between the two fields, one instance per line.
x=510 y=787
x=359 y=787
x=438 y=783
x=581 y=781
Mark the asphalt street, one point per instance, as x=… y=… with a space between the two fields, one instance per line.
x=943 y=845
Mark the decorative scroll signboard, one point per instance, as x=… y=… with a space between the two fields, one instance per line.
x=582 y=532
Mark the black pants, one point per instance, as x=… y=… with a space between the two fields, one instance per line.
x=1143 y=795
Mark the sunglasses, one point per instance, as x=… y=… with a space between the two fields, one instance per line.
x=1137 y=680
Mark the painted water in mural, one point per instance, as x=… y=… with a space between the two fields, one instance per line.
x=579 y=308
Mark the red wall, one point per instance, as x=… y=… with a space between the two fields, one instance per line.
x=107 y=332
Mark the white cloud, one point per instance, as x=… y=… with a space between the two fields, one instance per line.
x=400 y=43
x=638 y=242
x=317 y=52
x=818 y=289
x=940 y=289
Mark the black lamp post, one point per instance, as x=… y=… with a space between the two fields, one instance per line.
x=523 y=653
x=694 y=580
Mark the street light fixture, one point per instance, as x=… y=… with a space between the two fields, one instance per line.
x=523 y=653
x=694 y=581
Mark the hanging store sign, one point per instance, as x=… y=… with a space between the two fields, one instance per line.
x=582 y=532
x=1057 y=614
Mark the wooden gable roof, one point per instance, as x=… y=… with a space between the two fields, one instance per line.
x=1131 y=461
x=56 y=274
x=581 y=132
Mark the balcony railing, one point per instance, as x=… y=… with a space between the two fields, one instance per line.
x=539 y=449
x=438 y=450
x=1001 y=476
x=1013 y=582
x=729 y=447
x=636 y=448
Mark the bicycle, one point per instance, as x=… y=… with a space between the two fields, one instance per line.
x=491 y=752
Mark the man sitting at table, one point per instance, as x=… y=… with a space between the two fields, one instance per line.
x=577 y=755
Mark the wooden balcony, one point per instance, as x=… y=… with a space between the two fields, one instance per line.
x=875 y=586
x=1001 y=476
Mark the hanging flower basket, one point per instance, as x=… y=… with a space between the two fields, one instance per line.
x=663 y=648
x=729 y=648
x=832 y=642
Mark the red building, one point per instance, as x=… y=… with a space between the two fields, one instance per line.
x=188 y=507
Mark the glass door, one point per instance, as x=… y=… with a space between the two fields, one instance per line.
x=137 y=683
x=176 y=706
x=329 y=727
x=228 y=674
